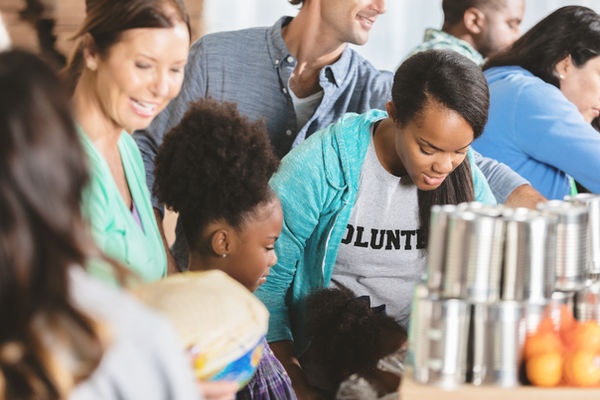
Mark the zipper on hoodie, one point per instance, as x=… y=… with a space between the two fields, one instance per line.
x=327 y=244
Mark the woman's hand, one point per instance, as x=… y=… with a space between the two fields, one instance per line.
x=218 y=390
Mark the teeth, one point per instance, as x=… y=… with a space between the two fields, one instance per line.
x=146 y=106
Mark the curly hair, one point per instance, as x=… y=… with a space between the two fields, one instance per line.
x=215 y=164
x=337 y=321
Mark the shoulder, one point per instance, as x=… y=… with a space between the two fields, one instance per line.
x=226 y=43
x=367 y=71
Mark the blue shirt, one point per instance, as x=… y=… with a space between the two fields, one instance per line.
x=534 y=129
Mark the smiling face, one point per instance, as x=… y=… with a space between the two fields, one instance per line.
x=252 y=249
x=351 y=20
x=581 y=85
x=502 y=26
x=140 y=74
x=432 y=144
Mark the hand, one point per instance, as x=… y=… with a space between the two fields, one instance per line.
x=218 y=390
x=524 y=196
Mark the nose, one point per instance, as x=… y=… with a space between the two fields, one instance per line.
x=161 y=85
x=273 y=259
x=443 y=164
x=379 y=6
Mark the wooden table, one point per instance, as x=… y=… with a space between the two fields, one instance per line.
x=410 y=390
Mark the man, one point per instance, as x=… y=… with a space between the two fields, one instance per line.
x=476 y=28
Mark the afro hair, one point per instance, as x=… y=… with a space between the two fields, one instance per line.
x=215 y=164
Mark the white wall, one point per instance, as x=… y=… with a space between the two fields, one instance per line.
x=394 y=34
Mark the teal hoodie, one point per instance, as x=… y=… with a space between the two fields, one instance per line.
x=317 y=184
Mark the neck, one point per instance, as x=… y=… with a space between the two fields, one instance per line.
x=314 y=45
x=461 y=32
x=385 y=148
x=101 y=130
x=203 y=262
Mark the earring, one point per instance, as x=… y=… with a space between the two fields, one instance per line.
x=224 y=255
x=91 y=66
x=561 y=76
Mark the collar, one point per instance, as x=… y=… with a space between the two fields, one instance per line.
x=436 y=35
x=280 y=55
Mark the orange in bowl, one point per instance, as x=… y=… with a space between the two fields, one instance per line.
x=582 y=368
x=545 y=369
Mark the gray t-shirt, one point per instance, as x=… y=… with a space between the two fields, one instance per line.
x=144 y=360
x=382 y=254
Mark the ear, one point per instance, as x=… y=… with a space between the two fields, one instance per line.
x=221 y=242
x=474 y=20
x=562 y=68
x=90 y=52
x=391 y=110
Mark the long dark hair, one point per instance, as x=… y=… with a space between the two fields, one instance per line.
x=571 y=30
x=42 y=234
x=458 y=84
x=106 y=19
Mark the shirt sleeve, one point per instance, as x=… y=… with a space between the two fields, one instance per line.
x=300 y=184
x=192 y=89
x=501 y=178
x=483 y=193
x=551 y=130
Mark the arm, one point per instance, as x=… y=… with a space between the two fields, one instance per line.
x=524 y=196
x=284 y=351
x=502 y=179
x=171 y=264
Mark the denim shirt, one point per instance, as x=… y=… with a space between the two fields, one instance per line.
x=252 y=67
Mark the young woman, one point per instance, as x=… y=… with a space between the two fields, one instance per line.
x=62 y=333
x=544 y=94
x=213 y=169
x=127 y=66
x=356 y=196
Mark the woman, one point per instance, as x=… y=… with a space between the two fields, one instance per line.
x=356 y=196
x=127 y=67
x=544 y=94
x=62 y=333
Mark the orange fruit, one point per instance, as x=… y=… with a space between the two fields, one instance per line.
x=542 y=342
x=587 y=336
x=582 y=368
x=545 y=369
x=567 y=320
x=546 y=325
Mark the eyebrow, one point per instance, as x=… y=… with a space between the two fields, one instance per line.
x=437 y=148
x=154 y=59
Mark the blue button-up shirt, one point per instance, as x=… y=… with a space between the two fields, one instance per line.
x=252 y=67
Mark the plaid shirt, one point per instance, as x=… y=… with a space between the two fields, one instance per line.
x=270 y=382
x=436 y=39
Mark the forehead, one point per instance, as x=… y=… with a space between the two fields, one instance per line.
x=163 y=42
x=509 y=9
x=441 y=127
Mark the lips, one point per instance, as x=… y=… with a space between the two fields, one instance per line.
x=366 y=20
x=142 y=108
x=434 y=181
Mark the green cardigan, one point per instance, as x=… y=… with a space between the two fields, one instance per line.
x=113 y=226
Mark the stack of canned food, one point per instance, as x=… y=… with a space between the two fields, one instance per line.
x=491 y=274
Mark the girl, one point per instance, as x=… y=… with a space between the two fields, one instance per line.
x=213 y=169
x=356 y=196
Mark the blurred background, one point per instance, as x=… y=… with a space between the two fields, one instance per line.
x=44 y=25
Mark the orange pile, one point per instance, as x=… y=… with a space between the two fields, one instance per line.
x=570 y=354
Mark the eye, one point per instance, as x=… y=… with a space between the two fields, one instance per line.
x=269 y=248
x=178 y=70
x=141 y=65
x=424 y=152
